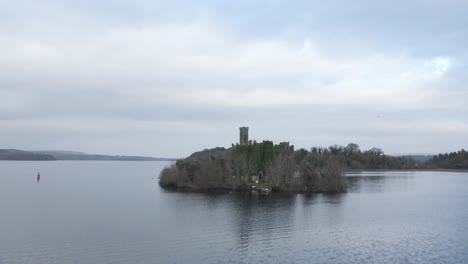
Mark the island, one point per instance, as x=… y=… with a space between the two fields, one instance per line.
x=265 y=166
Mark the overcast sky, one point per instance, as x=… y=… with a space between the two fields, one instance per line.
x=167 y=78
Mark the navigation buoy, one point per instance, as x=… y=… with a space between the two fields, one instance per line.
x=38 y=177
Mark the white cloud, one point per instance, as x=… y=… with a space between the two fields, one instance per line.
x=174 y=62
x=141 y=76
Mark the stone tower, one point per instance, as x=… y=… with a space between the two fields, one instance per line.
x=244 y=135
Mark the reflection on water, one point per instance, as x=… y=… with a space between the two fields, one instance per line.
x=114 y=212
x=261 y=218
x=380 y=181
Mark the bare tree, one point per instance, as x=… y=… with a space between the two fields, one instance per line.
x=332 y=179
x=280 y=170
x=242 y=170
x=168 y=176
x=210 y=174
x=311 y=176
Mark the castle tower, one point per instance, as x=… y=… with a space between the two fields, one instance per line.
x=244 y=135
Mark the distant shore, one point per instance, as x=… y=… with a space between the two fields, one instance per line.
x=52 y=155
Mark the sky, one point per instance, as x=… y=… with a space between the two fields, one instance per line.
x=167 y=78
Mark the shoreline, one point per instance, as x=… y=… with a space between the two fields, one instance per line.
x=433 y=170
x=246 y=190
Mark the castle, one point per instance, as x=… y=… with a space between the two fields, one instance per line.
x=244 y=135
x=244 y=140
x=260 y=153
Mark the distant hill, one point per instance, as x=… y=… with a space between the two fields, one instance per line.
x=59 y=152
x=72 y=155
x=7 y=154
x=14 y=154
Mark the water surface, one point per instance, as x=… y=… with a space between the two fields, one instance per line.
x=114 y=212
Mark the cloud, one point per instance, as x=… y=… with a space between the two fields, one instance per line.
x=168 y=63
x=140 y=78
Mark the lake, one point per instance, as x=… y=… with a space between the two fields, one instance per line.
x=115 y=212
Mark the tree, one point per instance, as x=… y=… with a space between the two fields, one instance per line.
x=299 y=155
x=332 y=180
x=280 y=170
x=242 y=169
x=352 y=148
x=336 y=149
x=375 y=152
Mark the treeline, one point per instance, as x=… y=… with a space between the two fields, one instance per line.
x=263 y=164
x=452 y=160
x=280 y=168
x=351 y=157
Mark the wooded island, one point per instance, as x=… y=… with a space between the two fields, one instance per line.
x=270 y=167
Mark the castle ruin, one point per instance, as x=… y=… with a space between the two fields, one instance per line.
x=244 y=135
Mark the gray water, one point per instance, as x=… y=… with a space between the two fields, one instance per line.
x=115 y=212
